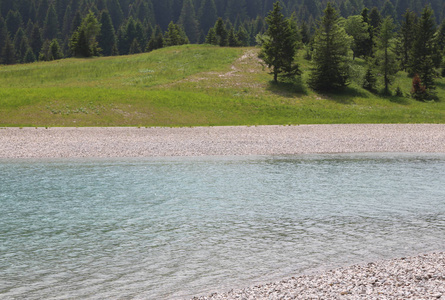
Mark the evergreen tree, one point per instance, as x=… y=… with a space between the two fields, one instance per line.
x=79 y=44
x=422 y=53
x=279 y=45
x=77 y=21
x=13 y=22
x=41 y=12
x=56 y=51
x=67 y=21
x=359 y=31
x=116 y=14
x=20 y=44
x=8 y=52
x=232 y=39
x=36 y=40
x=29 y=56
x=207 y=14
x=51 y=25
x=385 y=56
x=242 y=36
x=305 y=34
x=370 y=81
x=375 y=19
x=135 y=47
x=175 y=35
x=156 y=41
x=107 y=37
x=221 y=32
x=188 y=21
x=367 y=44
x=331 y=45
x=86 y=37
x=407 y=35
x=211 y=37
x=389 y=10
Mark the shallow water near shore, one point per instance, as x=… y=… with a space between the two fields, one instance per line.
x=164 y=228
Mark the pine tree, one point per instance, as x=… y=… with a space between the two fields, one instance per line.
x=232 y=39
x=135 y=47
x=51 y=25
x=13 y=22
x=29 y=56
x=42 y=11
x=421 y=59
x=375 y=19
x=242 y=36
x=279 y=45
x=221 y=32
x=188 y=21
x=84 y=40
x=331 y=45
x=370 y=81
x=407 y=35
x=107 y=37
x=359 y=31
x=36 y=40
x=175 y=35
x=156 y=41
x=207 y=14
x=79 y=44
x=56 y=51
x=3 y=33
x=211 y=37
x=116 y=14
x=385 y=56
x=20 y=44
x=8 y=53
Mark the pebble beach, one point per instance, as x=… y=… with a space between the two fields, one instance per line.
x=417 y=277
x=64 y=142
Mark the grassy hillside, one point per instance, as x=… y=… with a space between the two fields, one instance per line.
x=189 y=86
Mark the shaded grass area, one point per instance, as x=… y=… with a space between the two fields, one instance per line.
x=191 y=85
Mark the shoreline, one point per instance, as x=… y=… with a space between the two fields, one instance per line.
x=415 y=277
x=119 y=142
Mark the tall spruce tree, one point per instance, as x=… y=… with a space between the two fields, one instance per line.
x=331 y=45
x=188 y=21
x=359 y=31
x=8 y=52
x=175 y=35
x=407 y=34
x=51 y=24
x=107 y=36
x=422 y=54
x=279 y=45
x=385 y=56
x=207 y=14
x=36 y=40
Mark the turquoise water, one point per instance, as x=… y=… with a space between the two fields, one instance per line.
x=179 y=227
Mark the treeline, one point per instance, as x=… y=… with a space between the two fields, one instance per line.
x=417 y=47
x=33 y=30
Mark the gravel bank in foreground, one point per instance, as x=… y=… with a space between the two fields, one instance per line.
x=232 y=140
x=417 y=277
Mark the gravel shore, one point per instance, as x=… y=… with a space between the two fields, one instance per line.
x=417 y=277
x=199 y=141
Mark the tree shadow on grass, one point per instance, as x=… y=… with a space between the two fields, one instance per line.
x=347 y=95
x=289 y=88
x=402 y=100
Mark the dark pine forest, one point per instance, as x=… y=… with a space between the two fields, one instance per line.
x=37 y=30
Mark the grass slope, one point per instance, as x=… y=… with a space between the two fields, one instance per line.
x=189 y=86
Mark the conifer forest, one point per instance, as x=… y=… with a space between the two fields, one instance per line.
x=397 y=34
x=33 y=30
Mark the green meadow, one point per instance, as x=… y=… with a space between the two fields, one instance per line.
x=193 y=85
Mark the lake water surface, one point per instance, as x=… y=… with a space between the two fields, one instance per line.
x=177 y=227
